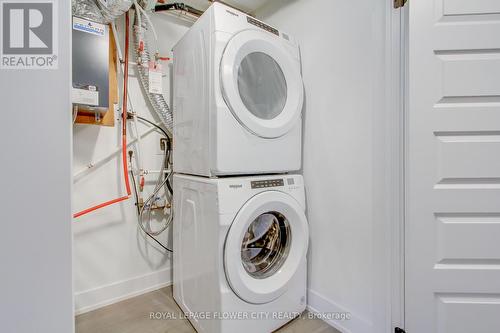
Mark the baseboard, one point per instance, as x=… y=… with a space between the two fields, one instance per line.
x=96 y=298
x=324 y=307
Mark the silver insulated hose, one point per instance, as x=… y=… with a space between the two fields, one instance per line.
x=143 y=58
x=112 y=9
x=102 y=11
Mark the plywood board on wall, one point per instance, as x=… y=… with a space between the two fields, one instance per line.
x=108 y=119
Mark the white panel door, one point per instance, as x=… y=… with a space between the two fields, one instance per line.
x=453 y=170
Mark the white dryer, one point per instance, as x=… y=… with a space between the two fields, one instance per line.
x=240 y=249
x=238 y=97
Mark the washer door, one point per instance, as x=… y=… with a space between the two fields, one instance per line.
x=261 y=83
x=265 y=246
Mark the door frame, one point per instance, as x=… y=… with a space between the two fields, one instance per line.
x=397 y=102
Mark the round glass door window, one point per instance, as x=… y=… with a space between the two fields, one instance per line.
x=266 y=245
x=262 y=85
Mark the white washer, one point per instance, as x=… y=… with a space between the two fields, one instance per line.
x=238 y=97
x=240 y=247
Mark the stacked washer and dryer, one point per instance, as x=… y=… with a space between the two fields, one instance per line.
x=240 y=230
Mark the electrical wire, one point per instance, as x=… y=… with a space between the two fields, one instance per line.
x=147 y=205
x=169 y=185
x=150 y=200
x=134 y=185
x=139 y=210
x=181 y=7
x=159 y=243
x=154 y=125
x=137 y=13
x=140 y=11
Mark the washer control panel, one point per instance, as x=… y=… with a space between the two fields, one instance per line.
x=267 y=183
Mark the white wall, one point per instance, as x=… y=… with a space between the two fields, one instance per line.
x=345 y=155
x=35 y=240
x=112 y=260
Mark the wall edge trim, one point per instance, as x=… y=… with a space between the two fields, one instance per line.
x=318 y=304
x=93 y=299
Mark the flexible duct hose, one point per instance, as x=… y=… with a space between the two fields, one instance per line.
x=112 y=9
x=157 y=101
x=100 y=10
x=87 y=9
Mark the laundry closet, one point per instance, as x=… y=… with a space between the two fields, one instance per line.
x=250 y=166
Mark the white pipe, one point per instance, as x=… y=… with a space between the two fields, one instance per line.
x=138 y=137
x=92 y=165
x=137 y=13
x=117 y=42
x=135 y=119
x=139 y=145
x=120 y=58
x=100 y=162
x=75 y=113
x=139 y=156
x=149 y=22
x=148 y=172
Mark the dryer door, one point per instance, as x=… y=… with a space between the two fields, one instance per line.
x=261 y=83
x=265 y=246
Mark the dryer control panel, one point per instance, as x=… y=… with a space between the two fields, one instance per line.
x=267 y=183
x=263 y=26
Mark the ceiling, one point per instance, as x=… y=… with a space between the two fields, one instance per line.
x=245 y=5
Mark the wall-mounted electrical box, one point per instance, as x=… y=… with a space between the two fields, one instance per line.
x=94 y=71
